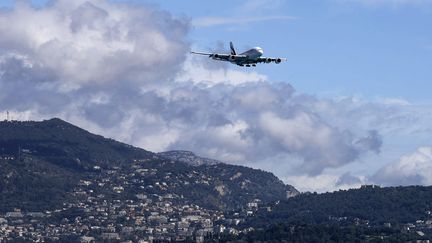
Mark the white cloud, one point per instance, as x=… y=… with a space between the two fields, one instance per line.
x=273 y=124
x=392 y=3
x=246 y=13
x=253 y=7
x=394 y=101
x=104 y=67
x=194 y=71
x=94 y=41
x=319 y=183
x=411 y=169
x=321 y=145
x=326 y=182
x=213 y=21
x=348 y=180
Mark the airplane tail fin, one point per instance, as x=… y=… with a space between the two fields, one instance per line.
x=233 y=52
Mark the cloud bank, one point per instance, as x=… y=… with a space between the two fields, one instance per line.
x=121 y=70
x=411 y=169
x=212 y=21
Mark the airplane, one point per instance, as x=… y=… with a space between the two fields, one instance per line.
x=247 y=58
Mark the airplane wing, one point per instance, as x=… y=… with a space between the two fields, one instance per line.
x=216 y=56
x=201 y=53
x=271 y=59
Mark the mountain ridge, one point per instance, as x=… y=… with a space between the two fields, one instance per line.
x=188 y=157
x=54 y=156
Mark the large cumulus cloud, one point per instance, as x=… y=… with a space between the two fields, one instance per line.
x=92 y=42
x=412 y=169
x=257 y=121
x=121 y=70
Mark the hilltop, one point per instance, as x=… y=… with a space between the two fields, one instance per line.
x=366 y=214
x=43 y=162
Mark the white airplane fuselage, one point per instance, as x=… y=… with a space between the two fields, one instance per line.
x=252 y=54
x=247 y=58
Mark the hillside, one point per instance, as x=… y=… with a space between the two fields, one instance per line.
x=61 y=142
x=369 y=205
x=367 y=214
x=43 y=163
x=187 y=157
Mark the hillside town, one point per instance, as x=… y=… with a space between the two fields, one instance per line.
x=103 y=208
x=63 y=184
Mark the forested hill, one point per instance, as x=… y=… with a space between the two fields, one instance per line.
x=41 y=163
x=370 y=204
x=57 y=139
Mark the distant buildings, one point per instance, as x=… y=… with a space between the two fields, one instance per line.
x=104 y=210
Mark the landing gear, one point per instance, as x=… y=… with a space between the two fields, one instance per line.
x=247 y=65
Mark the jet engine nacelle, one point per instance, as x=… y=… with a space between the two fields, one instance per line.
x=268 y=60
x=232 y=58
x=216 y=56
x=278 y=60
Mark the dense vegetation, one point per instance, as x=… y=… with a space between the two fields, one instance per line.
x=33 y=184
x=65 y=144
x=376 y=205
x=368 y=214
x=319 y=233
x=40 y=162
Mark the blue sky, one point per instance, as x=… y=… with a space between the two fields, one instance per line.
x=368 y=48
x=361 y=70
x=333 y=47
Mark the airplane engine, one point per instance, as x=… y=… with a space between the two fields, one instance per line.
x=216 y=55
x=268 y=60
x=278 y=60
x=232 y=58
